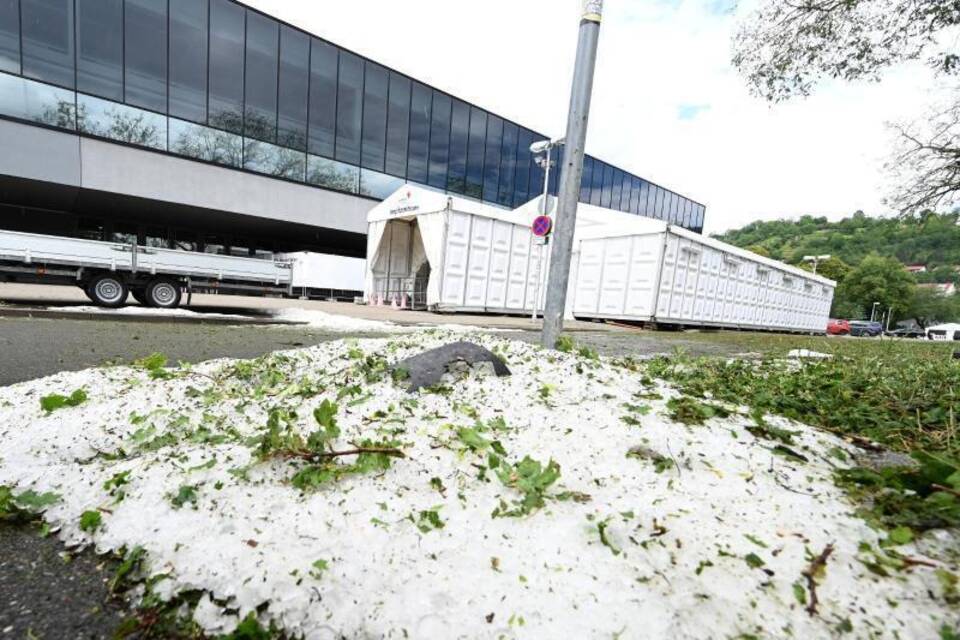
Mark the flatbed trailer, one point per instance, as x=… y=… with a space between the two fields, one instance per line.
x=108 y=272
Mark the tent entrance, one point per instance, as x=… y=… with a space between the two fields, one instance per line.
x=401 y=271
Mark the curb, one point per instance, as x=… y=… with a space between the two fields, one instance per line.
x=33 y=312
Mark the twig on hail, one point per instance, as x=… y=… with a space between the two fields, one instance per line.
x=357 y=450
x=816 y=567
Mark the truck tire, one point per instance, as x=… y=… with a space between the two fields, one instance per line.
x=163 y=293
x=108 y=290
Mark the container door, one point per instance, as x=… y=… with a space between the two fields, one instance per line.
x=519 y=266
x=641 y=283
x=478 y=263
x=499 y=265
x=455 y=258
x=589 y=277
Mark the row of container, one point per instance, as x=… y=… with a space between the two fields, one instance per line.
x=456 y=255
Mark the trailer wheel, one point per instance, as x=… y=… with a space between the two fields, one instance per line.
x=163 y=293
x=108 y=290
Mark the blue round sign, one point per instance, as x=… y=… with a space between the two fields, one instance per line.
x=542 y=226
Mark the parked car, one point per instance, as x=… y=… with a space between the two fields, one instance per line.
x=913 y=333
x=863 y=328
x=838 y=327
x=949 y=332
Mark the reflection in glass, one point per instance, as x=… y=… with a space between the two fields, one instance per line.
x=378 y=185
x=189 y=34
x=226 y=73
x=100 y=48
x=204 y=143
x=332 y=174
x=272 y=160
x=10 y=36
x=120 y=122
x=47 y=35
x=29 y=100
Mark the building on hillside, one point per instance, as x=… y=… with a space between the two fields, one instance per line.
x=916 y=268
x=207 y=125
x=946 y=288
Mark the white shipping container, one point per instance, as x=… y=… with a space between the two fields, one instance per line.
x=452 y=254
x=326 y=272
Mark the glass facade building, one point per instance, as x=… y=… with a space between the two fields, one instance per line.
x=215 y=81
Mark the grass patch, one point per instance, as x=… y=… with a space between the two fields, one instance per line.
x=903 y=395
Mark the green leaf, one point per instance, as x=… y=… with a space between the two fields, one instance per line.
x=90 y=521
x=754 y=561
x=799 y=593
x=36 y=502
x=900 y=535
x=187 y=494
x=55 y=401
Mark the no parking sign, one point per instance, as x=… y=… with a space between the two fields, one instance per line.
x=542 y=226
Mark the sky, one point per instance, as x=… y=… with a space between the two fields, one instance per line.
x=667 y=104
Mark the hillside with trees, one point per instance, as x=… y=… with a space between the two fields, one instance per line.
x=868 y=256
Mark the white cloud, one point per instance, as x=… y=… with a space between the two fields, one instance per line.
x=658 y=61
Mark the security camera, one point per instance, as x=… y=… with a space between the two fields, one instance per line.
x=541 y=147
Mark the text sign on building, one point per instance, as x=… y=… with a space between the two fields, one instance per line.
x=542 y=225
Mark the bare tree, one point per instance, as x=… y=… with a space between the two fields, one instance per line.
x=787 y=47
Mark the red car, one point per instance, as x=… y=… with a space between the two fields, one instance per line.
x=838 y=327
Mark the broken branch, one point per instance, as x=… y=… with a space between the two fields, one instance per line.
x=816 y=566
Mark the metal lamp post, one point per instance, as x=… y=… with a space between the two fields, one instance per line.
x=545 y=163
x=873 y=311
x=572 y=172
x=816 y=260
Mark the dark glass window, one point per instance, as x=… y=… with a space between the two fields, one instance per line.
x=188 y=59
x=491 y=165
x=634 y=186
x=626 y=203
x=324 y=61
x=145 y=54
x=659 y=206
x=616 y=195
x=100 y=48
x=522 y=187
x=349 y=108
x=375 y=86
x=226 y=71
x=48 y=40
x=439 y=140
x=294 y=85
x=260 y=115
x=607 y=194
x=459 y=134
x=475 y=152
x=398 y=125
x=508 y=163
x=596 y=189
x=585 y=183
x=419 y=147
x=10 y=36
x=670 y=206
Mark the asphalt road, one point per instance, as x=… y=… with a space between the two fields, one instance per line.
x=35 y=347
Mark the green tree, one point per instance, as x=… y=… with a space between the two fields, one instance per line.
x=876 y=279
x=786 y=49
x=927 y=307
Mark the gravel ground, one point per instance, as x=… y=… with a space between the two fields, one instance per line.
x=41 y=596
